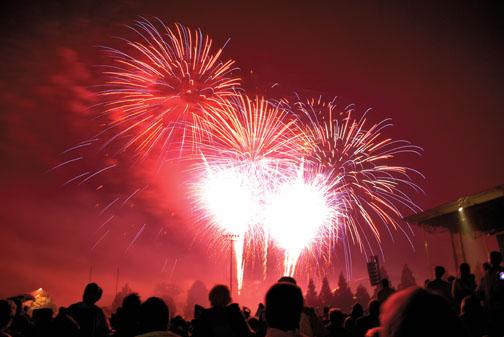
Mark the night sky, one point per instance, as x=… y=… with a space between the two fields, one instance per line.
x=434 y=67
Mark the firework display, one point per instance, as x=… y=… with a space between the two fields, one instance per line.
x=158 y=84
x=298 y=175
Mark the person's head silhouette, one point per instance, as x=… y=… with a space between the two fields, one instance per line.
x=219 y=296
x=416 y=312
x=92 y=293
x=284 y=304
x=336 y=317
x=385 y=283
x=495 y=259
x=288 y=279
x=465 y=269
x=439 y=272
x=374 y=308
x=154 y=315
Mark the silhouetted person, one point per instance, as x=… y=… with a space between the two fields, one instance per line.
x=472 y=316
x=440 y=286
x=126 y=320
x=21 y=323
x=415 y=312
x=179 y=326
x=464 y=285
x=357 y=312
x=335 y=326
x=284 y=304
x=154 y=318
x=88 y=315
x=385 y=291
x=7 y=313
x=64 y=325
x=491 y=289
x=369 y=321
x=310 y=325
x=222 y=319
x=41 y=323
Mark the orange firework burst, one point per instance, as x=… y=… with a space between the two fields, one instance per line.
x=355 y=153
x=160 y=82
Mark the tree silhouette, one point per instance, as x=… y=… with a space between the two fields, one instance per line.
x=119 y=297
x=343 y=297
x=407 y=278
x=168 y=292
x=311 y=297
x=197 y=294
x=325 y=296
x=362 y=296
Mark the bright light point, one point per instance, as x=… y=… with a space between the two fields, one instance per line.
x=296 y=214
x=229 y=197
x=460 y=209
x=295 y=217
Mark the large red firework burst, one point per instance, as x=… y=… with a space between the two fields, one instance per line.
x=158 y=84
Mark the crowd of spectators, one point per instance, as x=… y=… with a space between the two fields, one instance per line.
x=444 y=307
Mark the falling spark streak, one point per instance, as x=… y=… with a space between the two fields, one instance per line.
x=104 y=223
x=75 y=178
x=65 y=163
x=109 y=205
x=97 y=173
x=132 y=195
x=135 y=238
x=100 y=239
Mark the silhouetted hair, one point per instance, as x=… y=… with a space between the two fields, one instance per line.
x=288 y=279
x=92 y=293
x=154 y=315
x=374 y=308
x=219 y=296
x=131 y=301
x=464 y=268
x=385 y=283
x=7 y=312
x=495 y=258
x=336 y=317
x=284 y=304
x=439 y=271
x=416 y=312
x=357 y=310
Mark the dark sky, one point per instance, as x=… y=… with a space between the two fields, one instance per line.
x=434 y=67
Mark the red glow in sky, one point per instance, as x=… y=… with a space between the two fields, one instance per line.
x=434 y=68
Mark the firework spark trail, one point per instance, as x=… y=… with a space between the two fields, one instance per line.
x=105 y=223
x=162 y=83
x=100 y=239
x=106 y=208
x=97 y=173
x=64 y=163
x=135 y=238
x=357 y=154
